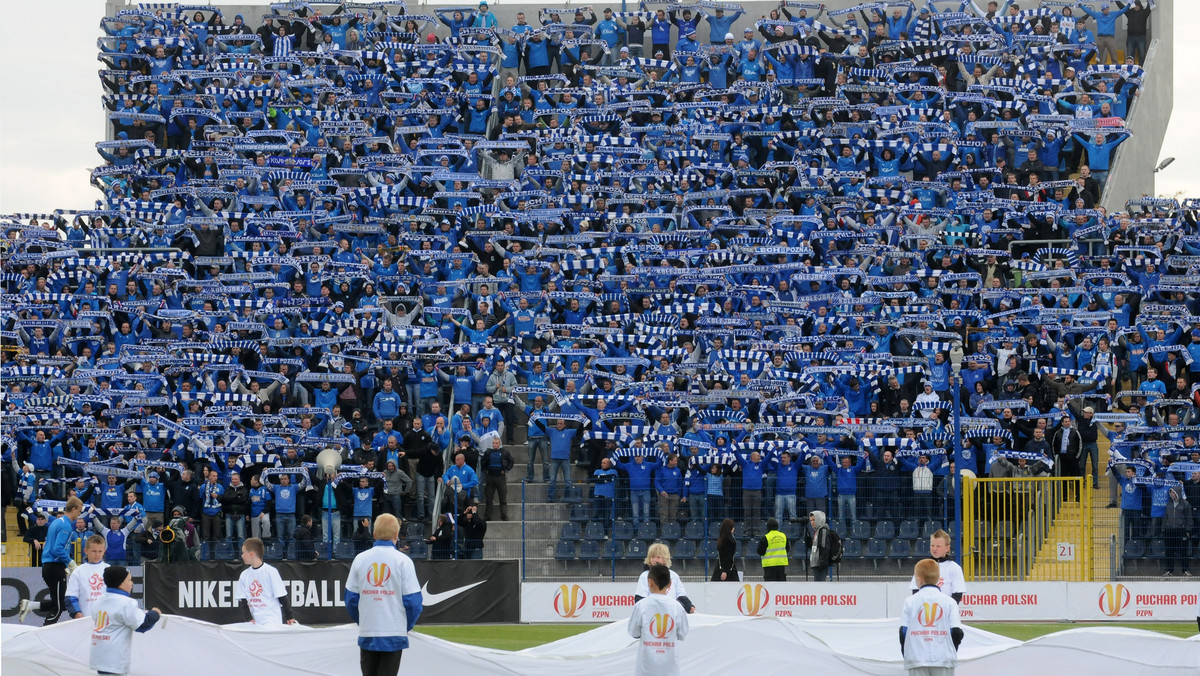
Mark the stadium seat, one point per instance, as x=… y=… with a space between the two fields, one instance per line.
x=930 y=527
x=580 y=512
x=564 y=550
x=670 y=531
x=646 y=530
x=920 y=547
x=1157 y=550
x=322 y=548
x=684 y=550
x=572 y=494
x=414 y=530
x=345 y=549
x=714 y=530
x=792 y=530
x=852 y=549
x=589 y=550
x=860 y=530
x=900 y=549
x=885 y=530
x=835 y=525
x=570 y=531
x=710 y=550
x=694 y=530
x=623 y=530
x=275 y=550
x=613 y=549
x=1134 y=549
x=205 y=551
x=418 y=549
x=595 y=531
x=907 y=530
x=749 y=548
x=636 y=550
x=225 y=550
x=876 y=549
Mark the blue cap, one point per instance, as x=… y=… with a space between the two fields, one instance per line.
x=347 y=426
x=153 y=475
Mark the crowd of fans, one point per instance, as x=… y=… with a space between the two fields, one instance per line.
x=727 y=261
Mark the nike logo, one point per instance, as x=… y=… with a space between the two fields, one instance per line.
x=434 y=599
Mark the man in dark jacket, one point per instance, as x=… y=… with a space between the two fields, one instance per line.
x=496 y=463
x=471 y=530
x=1177 y=521
x=235 y=502
x=419 y=446
x=1067 y=448
x=305 y=551
x=185 y=492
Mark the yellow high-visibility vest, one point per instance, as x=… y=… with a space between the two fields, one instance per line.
x=776 y=554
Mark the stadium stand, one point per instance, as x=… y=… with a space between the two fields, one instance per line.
x=719 y=276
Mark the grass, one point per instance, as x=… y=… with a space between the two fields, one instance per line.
x=521 y=636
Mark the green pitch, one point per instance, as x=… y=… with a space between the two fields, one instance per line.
x=521 y=636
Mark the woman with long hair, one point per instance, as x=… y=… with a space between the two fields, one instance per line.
x=726 y=568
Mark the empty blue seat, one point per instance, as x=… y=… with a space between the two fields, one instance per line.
x=564 y=550
x=418 y=549
x=589 y=550
x=852 y=549
x=580 y=512
x=714 y=530
x=885 y=530
x=684 y=550
x=414 y=530
x=900 y=549
x=1157 y=550
x=275 y=550
x=1134 y=549
x=572 y=494
x=345 y=549
x=622 y=530
x=322 y=548
x=570 y=531
x=710 y=550
x=920 y=547
x=836 y=525
x=594 y=531
x=876 y=549
x=613 y=549
x=929 y=528
x=636 y=550
x=860 y=530
x=694 y=530
x=907 y=530
x=225 y=550
x=671 y=531
x=646 y=531
x=792 y=530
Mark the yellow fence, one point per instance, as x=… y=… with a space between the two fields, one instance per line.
x=1027 y=529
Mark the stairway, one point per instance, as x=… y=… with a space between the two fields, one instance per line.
x=1065 y=527
x=1106 y=524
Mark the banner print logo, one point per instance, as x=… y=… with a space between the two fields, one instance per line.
x=929 y=614
x=753 y=600
x=1114 y=599
x=378 y=574
x=569 y=600
x=661 y=625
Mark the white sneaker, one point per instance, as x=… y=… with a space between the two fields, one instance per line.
x=23 y=610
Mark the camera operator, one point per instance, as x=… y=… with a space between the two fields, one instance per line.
x=471 y=530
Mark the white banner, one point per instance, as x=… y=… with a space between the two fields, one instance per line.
x=983 y=602
x=579 y=601
x=1125 y=601
x=808 y=600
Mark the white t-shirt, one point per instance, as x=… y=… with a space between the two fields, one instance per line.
x=87 y=585
x=659 y=622
x=929 y=615
x=950 y=579
x=643 y=586
x=115 y=616
x=261 y=587
x=382 y=576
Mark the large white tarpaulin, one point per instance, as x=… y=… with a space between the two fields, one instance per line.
x=716 y=645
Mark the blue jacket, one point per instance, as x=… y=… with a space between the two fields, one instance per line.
x=816 y=481
x=57 y=537
x=640 y=474
x=668 y=480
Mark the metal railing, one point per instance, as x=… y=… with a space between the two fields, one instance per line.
x=1029 y=529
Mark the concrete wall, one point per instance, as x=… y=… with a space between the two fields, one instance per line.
x=1132 y=174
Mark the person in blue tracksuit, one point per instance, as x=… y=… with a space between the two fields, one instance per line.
x=668 y=483
x=816 y=484
x=719 y=24
x=641 y=474
x=56 y=556
x=787 y=473
x=847 y=486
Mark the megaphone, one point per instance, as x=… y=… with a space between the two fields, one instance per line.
x=329 y=460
